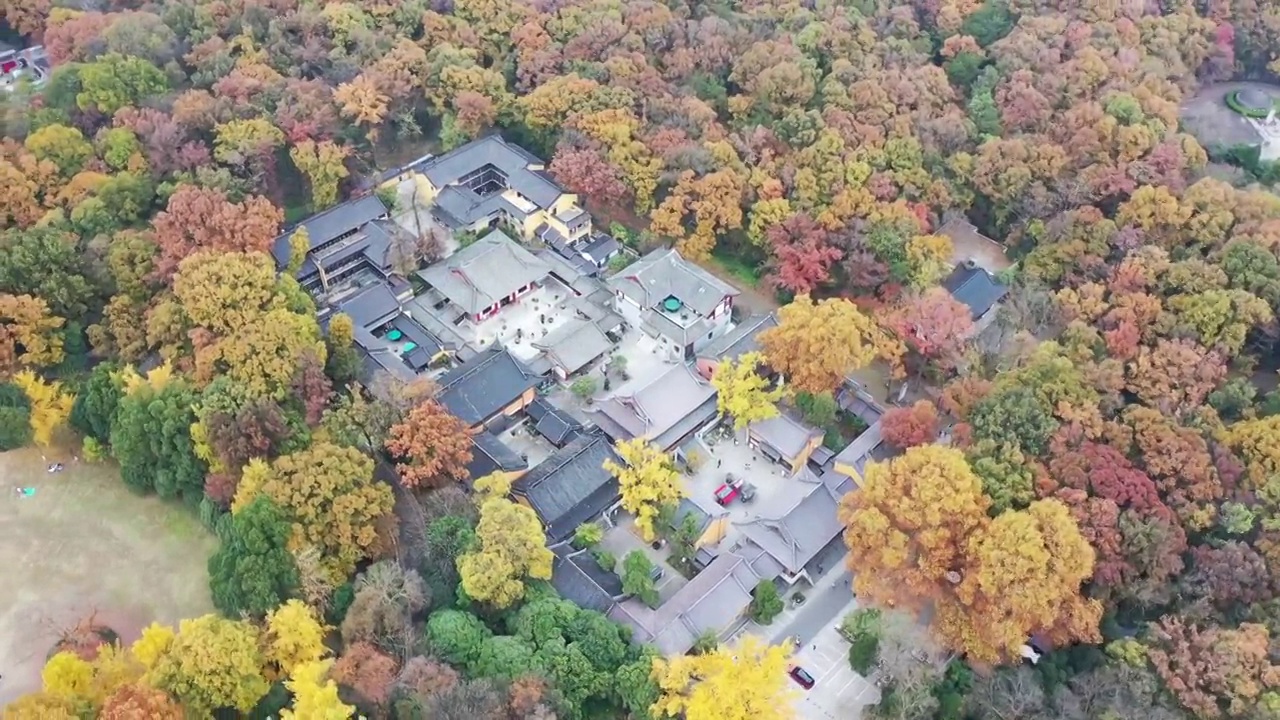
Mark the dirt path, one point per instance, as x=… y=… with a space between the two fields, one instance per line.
x=83 y=544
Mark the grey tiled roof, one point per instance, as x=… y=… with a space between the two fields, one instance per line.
x=657 y=323
x=511 y=160
x=332 y=223
x=578 y=579
x=661 y=410
x=741 y=340
x=861 y=447
x=574 y=344
x=551 y=422
x=600 y=247
x=976 y=288
x=477 y=390
x=479 y=275
x=489 y=455
x=571 y=486
x=664 y=273
x=711 y=601
x=785 y=434
x=372 y=306
x=795 y=536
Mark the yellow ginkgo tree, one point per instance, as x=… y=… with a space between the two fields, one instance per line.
x=745 y=682
x=648 y=481
x=743 y=393
x=50 y=407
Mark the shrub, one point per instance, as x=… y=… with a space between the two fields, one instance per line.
x=863 y=652
x=818 y=410
x=605 y=559
x=1233 y=102
x=389 y=196
x=93 y=450
x=707 y=642
x=583 y=387
x=766 y=604
x=864 y=621
x=588 y=535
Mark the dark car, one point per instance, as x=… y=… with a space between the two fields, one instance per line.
x=802 y=677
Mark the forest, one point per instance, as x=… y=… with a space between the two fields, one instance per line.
x=1112 y=484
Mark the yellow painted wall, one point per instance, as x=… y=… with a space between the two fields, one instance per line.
x=563 y=203
x=848 y=470
x=803 y=457
x=714 y=533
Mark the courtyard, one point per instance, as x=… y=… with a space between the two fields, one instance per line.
x=81 y=545
x=524 y=322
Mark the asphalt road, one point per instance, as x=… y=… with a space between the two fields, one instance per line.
x=823 y=606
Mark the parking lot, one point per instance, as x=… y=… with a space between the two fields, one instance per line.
x=839 y=693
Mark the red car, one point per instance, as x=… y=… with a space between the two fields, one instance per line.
x=802 y=677
x=729 y=491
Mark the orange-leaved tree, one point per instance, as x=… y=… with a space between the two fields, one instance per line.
x=432 y=446
x=817 y=343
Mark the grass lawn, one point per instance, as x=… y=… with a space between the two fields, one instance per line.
x=84 y=544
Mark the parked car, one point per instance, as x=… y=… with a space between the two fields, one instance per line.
x=656 y=573
x=802 y=677
x=728 y=490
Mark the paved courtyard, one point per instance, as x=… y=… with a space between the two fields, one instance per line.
x=719 y=457
x=623 y=538
x=524 y=322
x=647 y=359
x=527 y=443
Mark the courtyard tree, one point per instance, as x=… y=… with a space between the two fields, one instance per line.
x=637 y=577
x=648 y=480
x=510 y=547
x=431 y=445
x=815 y=345
x=252 y=571
x=743 y=393
x=766 y=604
x=746 y=682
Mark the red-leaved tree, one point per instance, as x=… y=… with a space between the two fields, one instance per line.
x=907 y=427
x=801 y=255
